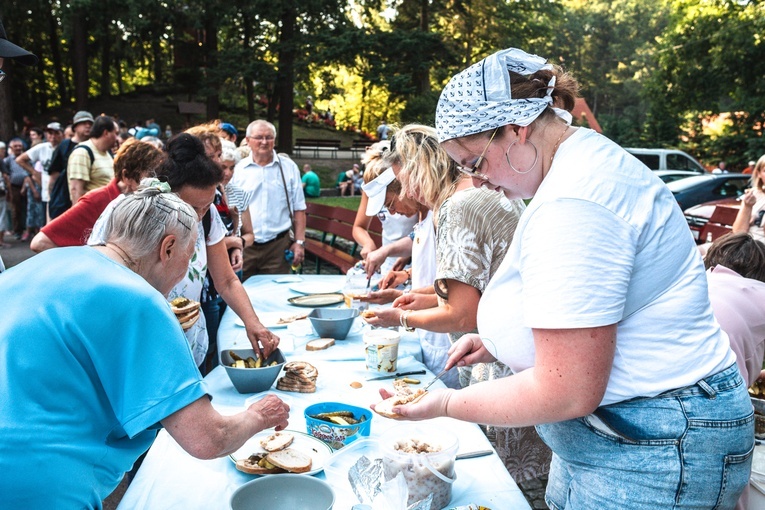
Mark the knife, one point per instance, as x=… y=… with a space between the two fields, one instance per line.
x=472 y=455
x=396 y=375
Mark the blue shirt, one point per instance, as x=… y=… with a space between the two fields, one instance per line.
x=91 y=359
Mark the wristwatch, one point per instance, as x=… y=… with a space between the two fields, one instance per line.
x=300 y=242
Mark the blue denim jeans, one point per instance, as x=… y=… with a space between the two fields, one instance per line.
x=686 y=448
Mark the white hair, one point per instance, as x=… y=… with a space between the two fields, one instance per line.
x=260 y=122
x=231 y=154
x=142 y=219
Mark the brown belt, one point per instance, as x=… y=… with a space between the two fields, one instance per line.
x=278 y=236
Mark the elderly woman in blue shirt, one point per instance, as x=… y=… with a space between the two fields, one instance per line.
x=94 y=361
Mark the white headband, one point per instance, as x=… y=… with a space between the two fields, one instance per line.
x=478 y=99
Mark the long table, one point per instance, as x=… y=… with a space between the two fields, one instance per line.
x=170 y=478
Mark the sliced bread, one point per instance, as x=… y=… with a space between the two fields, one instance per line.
x=277 y=441
x=319 y=344
x=291 y=460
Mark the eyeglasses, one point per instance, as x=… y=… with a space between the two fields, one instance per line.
x=2 y=75
x=261 y=138
x=473 y=170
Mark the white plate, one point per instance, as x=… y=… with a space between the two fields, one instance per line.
x=318 y=450
x=271 y=319
x=308 y=288
x=289 y=279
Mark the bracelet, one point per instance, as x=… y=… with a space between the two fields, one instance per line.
x=243 y=244
x=403 y=321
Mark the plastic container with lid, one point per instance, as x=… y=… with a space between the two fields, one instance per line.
x=381 y=347
x=426 y=458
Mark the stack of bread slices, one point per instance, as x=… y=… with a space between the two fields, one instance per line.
x=186 y=311
x=299 y=376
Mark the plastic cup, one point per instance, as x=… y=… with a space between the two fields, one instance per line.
x=381 y=349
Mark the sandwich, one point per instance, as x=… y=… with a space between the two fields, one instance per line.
x=186 y=311
x=256 y=464
x=368 y=314
x=290 y=460
x=404 y=395
x=277 y=458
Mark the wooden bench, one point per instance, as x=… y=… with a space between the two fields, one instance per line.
x=359 y=146
x=316 y=147
x=719 y=224
x=331 y=236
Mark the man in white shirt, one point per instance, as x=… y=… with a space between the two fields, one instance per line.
x=274 y=191
x=42 y=153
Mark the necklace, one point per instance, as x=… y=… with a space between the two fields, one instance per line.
x=129 y=263
x=555 y=148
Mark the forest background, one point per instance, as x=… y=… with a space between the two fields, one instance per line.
x=656 y=73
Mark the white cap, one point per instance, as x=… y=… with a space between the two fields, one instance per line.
x=375 y=190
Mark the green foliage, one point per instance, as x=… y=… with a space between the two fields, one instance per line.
x=654 y=73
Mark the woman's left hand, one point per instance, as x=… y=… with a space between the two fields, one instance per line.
x=433 y=405
x=259 y=336
x=386 y=317
x=236 y=259
x=380 y=297
x=415 y=301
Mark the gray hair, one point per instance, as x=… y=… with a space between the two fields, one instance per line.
x=230 y=154
x=141 y=220
x=260 y=122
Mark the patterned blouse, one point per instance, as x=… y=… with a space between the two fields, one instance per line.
x=474 y=230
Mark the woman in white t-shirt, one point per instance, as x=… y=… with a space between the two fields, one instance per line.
x=751 y=215
x=600 y=307
x=395 y=227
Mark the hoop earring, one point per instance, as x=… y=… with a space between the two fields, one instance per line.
x=536 y=157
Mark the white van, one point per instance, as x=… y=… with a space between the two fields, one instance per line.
x=667 y=159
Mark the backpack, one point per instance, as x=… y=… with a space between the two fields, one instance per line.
x=59 y=195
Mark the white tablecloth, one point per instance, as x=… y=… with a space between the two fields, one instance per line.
x=171 y=479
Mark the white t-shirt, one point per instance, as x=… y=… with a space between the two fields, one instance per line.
x=42 y=153
x=435 y=346
x=603 y=242
x=394 y=227
x=264 y=191
x=191 y=285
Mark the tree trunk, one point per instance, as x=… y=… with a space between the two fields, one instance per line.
x=273 y=102
x=106 y=58
x=363 y=102
x=118 y=77
x=421 y=75
x=285 y=77
x=156 y=51
x=211 y=63
x=6 y=109
x=249 y=89
x=55 y=55
x=79 y=57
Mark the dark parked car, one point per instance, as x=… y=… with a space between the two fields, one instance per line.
x=674 y=175
x=707 y=187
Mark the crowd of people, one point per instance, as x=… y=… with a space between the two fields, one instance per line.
x=584 y=324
